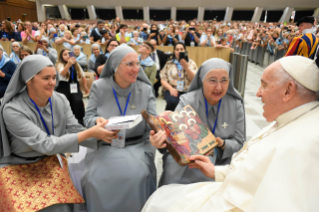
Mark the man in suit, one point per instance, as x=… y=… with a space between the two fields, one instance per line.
x=159 y=58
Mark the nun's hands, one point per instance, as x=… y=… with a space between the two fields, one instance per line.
x=158 y=139
x=173 y=92
x=102 y=134
x=220 y=142
x=202 y=163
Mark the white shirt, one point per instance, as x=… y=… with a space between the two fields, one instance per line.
x=156 y=60
x=60 y=68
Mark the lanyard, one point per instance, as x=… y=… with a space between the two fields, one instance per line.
x=72 y=73
x=192 y=37
x=44 y=124
x=179 y=71
x=44 y=53
x=220 y=101
x=118 y=104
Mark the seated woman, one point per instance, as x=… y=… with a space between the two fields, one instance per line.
x=101 y=59
x=70 y=72
x=17 y=35
x=24 y=51
x=37 y=125
x=53 y=36
x=67 y=40
x=42 y=32
x=7 y=68
x=84 y=38
x=7 y=32
x=135 y=40
x=154 y=34
x=95 y=52
x=46 y=50
x=147 y=63
x=176 y=76
x=221 y=108
x=171 y=37
x=28 y=34
x=14 y=56
x=121 y=176
x=81 y=58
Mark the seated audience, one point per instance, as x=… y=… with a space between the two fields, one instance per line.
x=136 y=40
x=101 y=59
x=190 y=36
x=123 y=36
x=42 y=32
x=81 y=58
x=17 y=35
x=7 y=68
x=45 y=49
x=154 y=34
x=24 y=51
x=53 y=36
x=67 y=40
x=28 y=34
x=171 y=37
x=208 y=39
x=148 y=65
x=7 y=32
x=176 y=77
x=61 y=30
x=223 y=44
x=14 y=56
x=95 y=52
x=84 y=39
x=95 y=34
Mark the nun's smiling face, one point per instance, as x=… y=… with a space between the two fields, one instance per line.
x=41 y=86
x=96 y=51
x=127 y=70
x=215 y=85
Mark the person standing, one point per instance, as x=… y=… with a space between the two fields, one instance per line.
x=306 y=44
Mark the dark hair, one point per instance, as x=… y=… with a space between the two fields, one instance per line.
x=108 y=44
x=173 y=56
x=122 y=26
x=149 y=45
x=155 y=25
x=103 y=31
x=76 y=65
x=100 y=22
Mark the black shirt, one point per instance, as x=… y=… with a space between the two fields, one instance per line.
x=170 y=41
x=95 y=36
x=100 y=60
x=190 y=37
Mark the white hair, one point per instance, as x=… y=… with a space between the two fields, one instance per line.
x=283 y=77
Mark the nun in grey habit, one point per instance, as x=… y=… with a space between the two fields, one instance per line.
x=230 y=125
x=48 y=52
x=24 y=138
x=120 y=179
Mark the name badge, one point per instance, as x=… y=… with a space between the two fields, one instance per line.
x=180 y=85
x=73 y=88
x=192 y=43
x=120 y=141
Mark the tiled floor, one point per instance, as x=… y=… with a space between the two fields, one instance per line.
x=253 y=108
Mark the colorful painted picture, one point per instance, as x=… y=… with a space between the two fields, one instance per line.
x=186 y=133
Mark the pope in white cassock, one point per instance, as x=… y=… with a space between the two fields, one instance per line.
x=277 y=170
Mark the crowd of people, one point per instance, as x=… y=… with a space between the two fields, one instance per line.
x=43 y=116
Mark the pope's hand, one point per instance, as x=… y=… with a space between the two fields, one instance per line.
x=203 y=164
x=158 y=139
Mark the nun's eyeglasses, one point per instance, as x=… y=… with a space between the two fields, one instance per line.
x=132 y=64
x=215 y=81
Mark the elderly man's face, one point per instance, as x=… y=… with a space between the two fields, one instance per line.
x=271 y=92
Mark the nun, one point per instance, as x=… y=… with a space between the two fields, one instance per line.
x=14 y=56
x=221 y=108
x=120 y=176
x=46 y=50
x=37 y=125
x=95 y=52
x=81 y=58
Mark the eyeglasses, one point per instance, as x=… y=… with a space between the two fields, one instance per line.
x=215 y=81
x=132 y=64
x=144 y=45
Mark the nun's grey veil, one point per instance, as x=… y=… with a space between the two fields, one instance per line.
x=26 y=70
x=114 y=60
x=208 y=65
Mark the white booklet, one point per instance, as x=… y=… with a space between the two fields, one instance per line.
x=123 y=122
